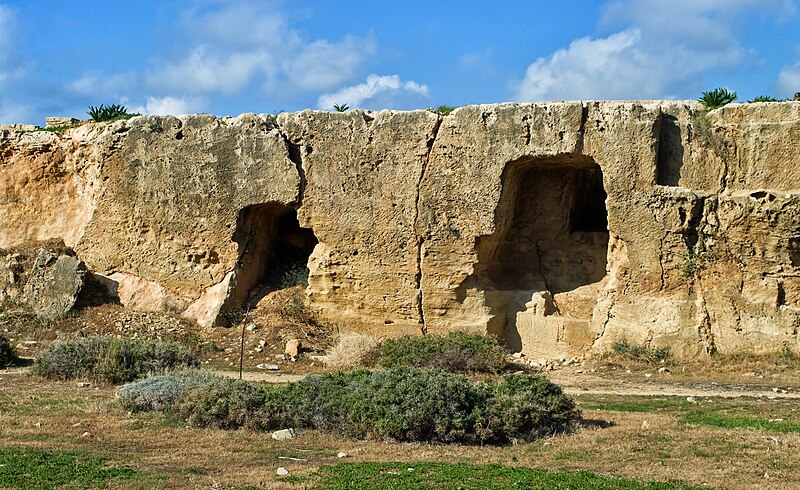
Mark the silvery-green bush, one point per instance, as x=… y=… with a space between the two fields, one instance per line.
x=111 y=360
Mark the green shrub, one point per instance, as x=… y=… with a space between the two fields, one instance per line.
x=109 y=113
x=223 y=403
x=8 y=355
x=341 y=107
x=525 y=407
x=763 y=98
x=405 y=404
x=641 y=352
x=456 y=352
x=110 y=360
x=161 y=393
x=717 y=98
x=444 y=110
x=296 y=275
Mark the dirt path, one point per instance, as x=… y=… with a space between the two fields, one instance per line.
x=596 y=385
x=579 y=384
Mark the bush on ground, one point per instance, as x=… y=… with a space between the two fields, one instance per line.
x=352 y=350
x=8 y=355
x=160 y=393
x=456 y=352
x=640 y=352
x=405 y=404
x=111 y=360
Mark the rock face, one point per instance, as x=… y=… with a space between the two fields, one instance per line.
x=559 y=227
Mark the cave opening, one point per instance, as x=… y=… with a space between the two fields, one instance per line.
x=273 y=253
x=550 y=242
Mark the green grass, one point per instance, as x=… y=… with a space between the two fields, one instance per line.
x=420 y=476
x=35 y=469
x=728 y=421
x=724 y=414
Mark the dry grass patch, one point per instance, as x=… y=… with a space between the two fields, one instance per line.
x=352 y=349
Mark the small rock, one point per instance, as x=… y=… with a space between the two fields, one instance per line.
x=283 y=434
x=645 y=425
x=85 y=435
x=292 y=350
x=282 y=471
x=83 y=384
x=648 y=375
x=268 y=367
x=77 y=424
x=579 y=371
x=775 y=390
x=663 y=370
x=342 y=454
x=251 y=327
x=690 y=399
x=518 y=355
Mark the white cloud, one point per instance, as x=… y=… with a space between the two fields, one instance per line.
x=204 y=71
x=236 y=48
x=105 y=86
x=164 y=106
x=322 y=65
x=660 y=47
x=11 y=113
x=252 y=43
x=789 y=80
x=589 y=68
x=378 y=92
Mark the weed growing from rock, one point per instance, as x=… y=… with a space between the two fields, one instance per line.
x=110 y=360
x=109 y=112
x=714 y=99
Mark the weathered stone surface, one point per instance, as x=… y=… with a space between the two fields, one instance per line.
x=54 y=284
x=60 y=122
x=560 y=227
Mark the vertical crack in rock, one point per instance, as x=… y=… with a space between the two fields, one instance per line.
x=420 y=237
x=582 y=130
x=704 y=324
x=296 y=157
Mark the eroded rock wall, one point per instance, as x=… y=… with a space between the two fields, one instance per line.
x=559 y=227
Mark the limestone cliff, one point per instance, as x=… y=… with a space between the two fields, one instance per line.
x=560 y=227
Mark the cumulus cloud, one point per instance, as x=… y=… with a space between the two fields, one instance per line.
x=163 y=106
x=378 y=92
x=789 y=80
x=648 y=56
x=242 y=43
x=233 y=48
x=105 y=86
x=322 y=65
x=205 y=71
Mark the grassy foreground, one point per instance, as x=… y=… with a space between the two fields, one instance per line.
x=36 y=469
x=425 y=476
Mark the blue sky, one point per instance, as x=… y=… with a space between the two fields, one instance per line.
x=226 y=57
